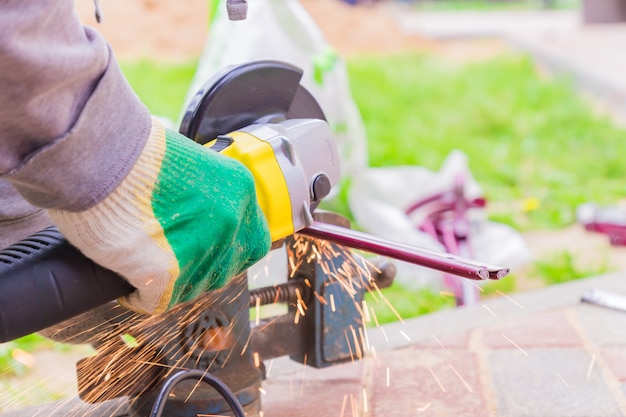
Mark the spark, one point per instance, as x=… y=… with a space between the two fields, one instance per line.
x=364 y=339
x=245 y=346
x=23 y=357
x=423 y=408
x=406 y=336
x=562 y=379
x=357 y=345
x=489 y=310
x=257 y=308
x=300 y=308
x=343 y=404
x=254 y=277
x=374 y=353
x=510 y=299
x=395 y=312
x=257 y=359
x=321 y=299
x=344 y=284
x=300 y=299
x=516 y=345
x=366 y=311
x=292 y=265
x=296 y=318
x=373 y=314
x=277 y=295
x=349 y=345
x=441 y=344
x=364 y=400
x=593 y=360
x=262 y=391
x=303 y=371
x=475 y=285
x=446 y=294
x=461 y=378
x=332 y=303
x=384 y=334
x=437 y=379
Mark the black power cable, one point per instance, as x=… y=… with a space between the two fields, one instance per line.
x=172 y=381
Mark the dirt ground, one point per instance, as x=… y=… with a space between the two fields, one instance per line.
x=176 y=31
x=172 y=31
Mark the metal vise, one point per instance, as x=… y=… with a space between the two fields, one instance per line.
x=323 y=326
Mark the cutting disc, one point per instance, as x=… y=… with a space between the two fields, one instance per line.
x=251 y=93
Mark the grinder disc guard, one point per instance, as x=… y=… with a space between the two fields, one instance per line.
x=255 y=92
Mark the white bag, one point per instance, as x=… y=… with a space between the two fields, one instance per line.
x=282 y=30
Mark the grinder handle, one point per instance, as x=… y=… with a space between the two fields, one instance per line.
x=45 y=280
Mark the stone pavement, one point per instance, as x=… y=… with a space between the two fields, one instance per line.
x=535 y=354
x=542 y=353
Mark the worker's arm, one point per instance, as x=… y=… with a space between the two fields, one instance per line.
x=174 y=218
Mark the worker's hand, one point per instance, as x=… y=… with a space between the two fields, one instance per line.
x=185 y=220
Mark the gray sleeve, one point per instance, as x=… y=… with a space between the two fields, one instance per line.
x=70 y=125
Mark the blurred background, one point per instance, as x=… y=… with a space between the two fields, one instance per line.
x=530 y=93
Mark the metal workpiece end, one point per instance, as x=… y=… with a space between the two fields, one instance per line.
x=493 y=273
x=499 y=274
x=483 y=274
x=237 y=9
x=443 y=262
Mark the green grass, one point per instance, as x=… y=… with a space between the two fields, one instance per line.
x=526 y=136
x=406 y=303
x=161 y=87
x=8 y=363
x=562 y=267
x=491 y=5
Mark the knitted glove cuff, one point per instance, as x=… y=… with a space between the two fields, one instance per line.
x=122 y=233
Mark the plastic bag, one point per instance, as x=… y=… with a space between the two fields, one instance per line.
x=283 y=30
x=381 y=200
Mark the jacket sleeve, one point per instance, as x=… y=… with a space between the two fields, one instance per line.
x=70 y=125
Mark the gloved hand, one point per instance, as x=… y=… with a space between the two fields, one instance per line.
x=185 y=220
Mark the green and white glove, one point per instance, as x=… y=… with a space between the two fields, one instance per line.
x=184 y=221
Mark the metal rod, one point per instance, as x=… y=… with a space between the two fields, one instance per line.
x=419 y=256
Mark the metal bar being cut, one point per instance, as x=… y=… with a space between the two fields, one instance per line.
x=444 y=262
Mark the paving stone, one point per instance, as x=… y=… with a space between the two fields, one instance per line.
x=306 y=391
x=428 y=381
x=458 y=340
x=549 y=383
x=615 y=359
x=602 y=325
x=540 y=330
x=307 y=398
